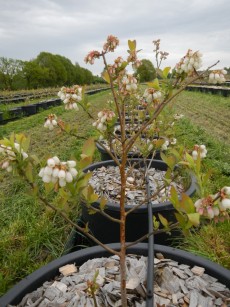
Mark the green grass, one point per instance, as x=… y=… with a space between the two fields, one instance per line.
x=31 y=236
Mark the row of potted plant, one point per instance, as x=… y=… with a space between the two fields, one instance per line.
x=75 y=179
x=33 y=108
x=224 y=91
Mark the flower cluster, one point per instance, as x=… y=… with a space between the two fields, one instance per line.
x=104 y=117
x=199 y=149
x=50 y=121
x=58 y=172
x=9 y=155
x=190 y=62
x=178 y=116
x=163 y=55
x=217 y=76
x=111 y=44
x=214 y=205
x=152 y=95
x=71 y=96
x=91 y=56
x=133 y=59
x=128 y=84
x=114 y=69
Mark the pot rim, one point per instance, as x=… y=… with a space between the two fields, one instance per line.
x=49 y=271
x=167 y=205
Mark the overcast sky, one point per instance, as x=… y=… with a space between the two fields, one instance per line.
x=72 y=28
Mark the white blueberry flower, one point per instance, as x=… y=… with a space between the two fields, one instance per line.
x=189 y=63
x=217 y=76
x=104 y=117
x=199 y=149
x=58 y=172
x=51 y=121
x=71 y=96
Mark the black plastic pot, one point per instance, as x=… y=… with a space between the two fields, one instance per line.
x=30 y=109
x=1 y=116
x=42 y=105
x=49 y=271
x=16 y=112
x=137 y=221
x=131 y=155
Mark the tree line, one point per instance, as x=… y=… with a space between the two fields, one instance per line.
x=50 y=70
x=46 y=70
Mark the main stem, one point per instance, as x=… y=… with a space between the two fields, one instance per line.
x=122 y=211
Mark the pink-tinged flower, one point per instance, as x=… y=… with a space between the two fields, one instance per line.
x=111 y=43
x=104 y=118
x=152 y=95
x=128 y=84
x=224 y=204
x=189 y=63
x=71 y=96
x=91 y=56
x=199 y=149
x=217 y=76
x=51 y=121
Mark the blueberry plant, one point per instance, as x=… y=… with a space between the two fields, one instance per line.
x=144 y=108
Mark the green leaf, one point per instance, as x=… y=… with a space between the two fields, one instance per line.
x=190 y=160
x=89 y=147
x=155 y=84
x=48 y=187
x=35 y=159
x=187 y=204
x=84 y=162
x=103 y=202
x=181 y=220
x=132 y=45
x=170 y=161
x=156 y=223
x=163 y=220
x=194 y=218
x=105 y=76
x=83 y=182
x=166 y=71
x=29 y=172
x=174 y=197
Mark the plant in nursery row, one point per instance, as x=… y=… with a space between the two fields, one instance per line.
x=68 y=179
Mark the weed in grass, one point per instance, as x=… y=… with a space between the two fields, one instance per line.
x=210 y=242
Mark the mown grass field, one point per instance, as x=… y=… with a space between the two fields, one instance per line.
x=31 y=236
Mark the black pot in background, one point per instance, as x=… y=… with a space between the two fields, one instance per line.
x=42 y=105
x=1 y=116
x=137 y=222
x=131 y=155
x=16 y=112
x=49 y=271
x=30 y=109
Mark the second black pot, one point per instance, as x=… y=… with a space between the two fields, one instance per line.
x=137 y=221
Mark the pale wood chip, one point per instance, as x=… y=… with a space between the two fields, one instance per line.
x=197 y=270
x=68 y=269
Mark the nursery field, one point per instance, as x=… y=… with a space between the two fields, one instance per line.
x=31 y=236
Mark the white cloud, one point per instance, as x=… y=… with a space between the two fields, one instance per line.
x=72 y=28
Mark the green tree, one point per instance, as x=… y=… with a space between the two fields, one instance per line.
x=9 y=68
x=57 y=74
x=146 y=71
x=35 y=75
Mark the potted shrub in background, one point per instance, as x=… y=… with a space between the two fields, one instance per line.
x=69 y=180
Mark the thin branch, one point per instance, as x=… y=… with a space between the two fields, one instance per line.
x=109 y=152
x=161 y=107
x=104 y=214
x=173 y=226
